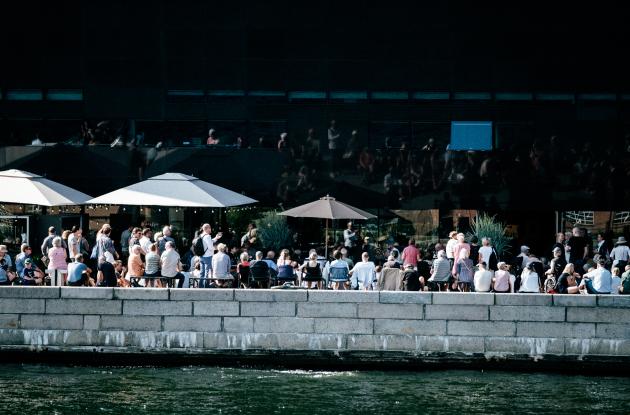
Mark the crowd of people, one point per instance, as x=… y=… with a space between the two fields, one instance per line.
x=142 y=258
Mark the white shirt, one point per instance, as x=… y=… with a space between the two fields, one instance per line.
x=483 y=280
x=145 y=243
x=73 y=245
x=450 y=248
x=208 y=245
x=529 y=283
x=364 y=273
x=616 y=282
x=602 y=280
x=170 y=262
x=485 y=252
x=620 y=253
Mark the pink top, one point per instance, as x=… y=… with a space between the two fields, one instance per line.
x=502 y=281
x=456 y=249
x=57 y=258
x=410 y=255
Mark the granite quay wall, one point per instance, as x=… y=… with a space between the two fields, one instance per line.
x=299 y=327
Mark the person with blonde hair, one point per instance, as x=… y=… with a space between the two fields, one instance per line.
x=463 y=270
x=221 y=267
x=502 y=279
x=567 y=281
x=57 y=255
x=461 y=244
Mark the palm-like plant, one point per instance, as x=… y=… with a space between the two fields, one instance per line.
x=486 y=226
x=273 y=231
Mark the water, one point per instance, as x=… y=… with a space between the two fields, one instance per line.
x=34 y=389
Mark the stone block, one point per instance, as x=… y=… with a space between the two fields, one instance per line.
x=613 y=301
x=344 y=326
x=11 y=337
x=201 y=294
x=553 y=330
x=406 y=327
x=598 y=315
x=9 y=321
x=216 y=308
x=343 y=296
x=271 y=295
x=613 y=331
x=382 y=342
x=132 y=323
x=22 y=306
x=524 y=345
x=481 y=328
x=609 y=347
x=210 y=324
x=115 y=338
x=157 y=308
x=238 y=324
x=455 y=344
x=574 y=300
x=404 y=311
x=526 y=313
x=91 y=322
x=284 y=325
x=28 y=292
x=141 y=293
x=463 y=298
x=90 y=293
x=523 y=299
x=51 y=322
x=448 y=312
x=78 y=306
x=326 y=310
x=405 y=297
x=260 y=309
x=216 y=340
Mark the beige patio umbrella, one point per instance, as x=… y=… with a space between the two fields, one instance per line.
x=327 y=208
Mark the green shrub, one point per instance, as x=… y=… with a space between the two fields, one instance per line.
x=486 y=226
x=273 y=231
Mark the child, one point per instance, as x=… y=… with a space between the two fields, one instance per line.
x=29 y=277
x=616 y=280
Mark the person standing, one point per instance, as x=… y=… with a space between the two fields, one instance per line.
x=74 y=243
x=411 y=254
x=170 y=264
x=450 y=246
x=208 y=252
x=350 y=239
x=166 y=237
x=578 y=249
x=125 y=236
x=47 y=243
x=620 y=253
x=334 y=138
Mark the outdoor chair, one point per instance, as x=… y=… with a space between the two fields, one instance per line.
x=259 y=275
x=285 y=274
x=243 y=276
x=55 y=277
x=312 y=274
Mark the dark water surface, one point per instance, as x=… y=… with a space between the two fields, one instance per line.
x=34 y=389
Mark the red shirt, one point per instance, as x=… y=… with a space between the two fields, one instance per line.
x=410 y=255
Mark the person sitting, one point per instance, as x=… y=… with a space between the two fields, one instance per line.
x=106 y=275
x=530 y=282
x=260 y=272
x=502 y=279
x=598 y=281
x=135 y=266
x=152 y=267
x=311 y=271
x=363 y=273
x=171 y=265
x=392 y=263
x=285 y=268
x=337 y=271
x=29 y=275
x=79 y=273
x=121 y=273
x=483 y=278
x=221 y=264
x=624 y=285
x=440 y=272
x=242 y=268
x=567 y=281
x=411 y=280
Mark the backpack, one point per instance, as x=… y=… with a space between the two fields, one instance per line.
x=198 y=248
x=493 y=261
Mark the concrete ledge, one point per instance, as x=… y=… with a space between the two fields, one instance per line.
x=408 y=327
x=405 y=297
x=403 y=311
x=481 y=328
x=524 y=345
x=216 y=308
x=207 y=324
x=56 y=322
x=271 y=295
x=463 y=298
x=326 y=310
x=23 y=306
x=135 y=323
x=154 y=307
x=100 y=293
x=29 y=292
x=531 y=329
x=201 y=294
x=523 y=299
x=613 y=300
x=85 y=306
x=526 y=313
x=273 y=341
x=269 y=309
x=284 y=325
x=140 y=293
x=343 y=296
x=447 y=312
x=574 y=300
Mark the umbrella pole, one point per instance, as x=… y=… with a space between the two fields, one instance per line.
x=326 y=242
